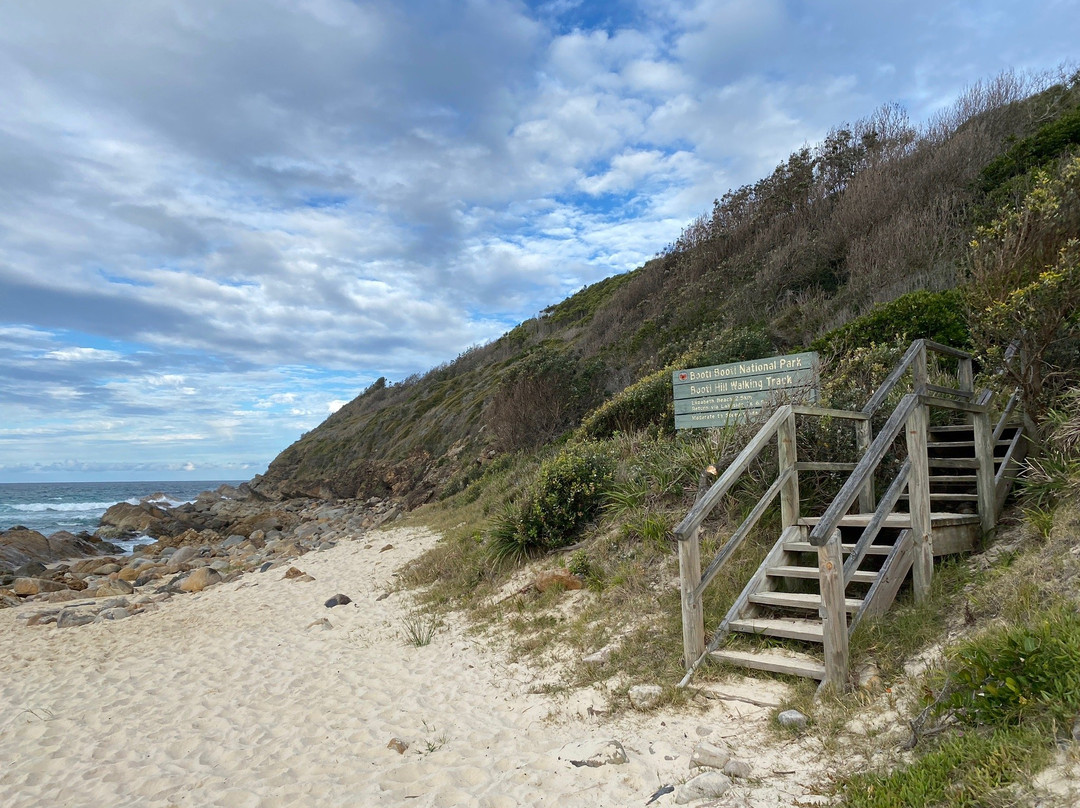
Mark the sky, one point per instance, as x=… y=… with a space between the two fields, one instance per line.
x=222 y=219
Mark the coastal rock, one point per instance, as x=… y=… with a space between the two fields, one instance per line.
x=708 y=755
x=19 y=546
x=645 y=697
x=123 y=519
x=69 y=618
x=594 y=753
x=106 y=569
x=8 y=599
x=398 y=745
x=791 y=718
x=117 y=613
x=738 y=768
x=337 y=600
x=33 y=569
x=33 y=586
x=706 y=786
x=183 y=554
x=112 y=588
x=199 y=579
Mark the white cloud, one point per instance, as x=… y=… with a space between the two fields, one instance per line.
x=191 y=229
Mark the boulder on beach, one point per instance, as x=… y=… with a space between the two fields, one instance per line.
x=124 y=519
x=19 y=546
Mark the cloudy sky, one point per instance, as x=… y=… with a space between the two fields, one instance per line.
x=221 y=219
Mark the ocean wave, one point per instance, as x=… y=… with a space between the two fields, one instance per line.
x=58 y=507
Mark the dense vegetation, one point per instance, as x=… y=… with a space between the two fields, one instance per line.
x=557 y=441
x=879 y=209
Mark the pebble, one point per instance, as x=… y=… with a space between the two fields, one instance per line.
x=705 y=786
x=792 y=718
x=337 y=600
x=645 y=697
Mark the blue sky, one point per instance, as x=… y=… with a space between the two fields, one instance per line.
x=220 y=221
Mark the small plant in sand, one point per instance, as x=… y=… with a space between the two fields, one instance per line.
x=419 y=628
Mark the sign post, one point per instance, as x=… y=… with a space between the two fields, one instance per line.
x=718 y=395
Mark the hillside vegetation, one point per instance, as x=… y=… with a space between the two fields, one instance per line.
x=549 y=458
x=878 y=209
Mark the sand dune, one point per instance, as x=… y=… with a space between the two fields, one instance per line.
x=231 y=697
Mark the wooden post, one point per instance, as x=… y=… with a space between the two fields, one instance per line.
x=919 y=373
x=833 y=614
x=788 y=455
x=984 y=454
x=863 y=439
x=919 y=503
x=693 y=616
x=966 y=375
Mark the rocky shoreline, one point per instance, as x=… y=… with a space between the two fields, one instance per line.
x=220 y=536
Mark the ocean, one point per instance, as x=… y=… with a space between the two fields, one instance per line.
x=49 y=507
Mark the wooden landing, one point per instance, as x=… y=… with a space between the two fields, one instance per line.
x=898 y=520
x=953 y=532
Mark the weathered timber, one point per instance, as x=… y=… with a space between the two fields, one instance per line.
x=833 y=612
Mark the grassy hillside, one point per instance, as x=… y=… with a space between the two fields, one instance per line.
x=880 y=208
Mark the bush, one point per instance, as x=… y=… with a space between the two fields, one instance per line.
x=568 y=492
x=1019 y=672
x=937 y=316
x=647 y=401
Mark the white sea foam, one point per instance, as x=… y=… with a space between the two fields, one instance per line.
x=60 y=507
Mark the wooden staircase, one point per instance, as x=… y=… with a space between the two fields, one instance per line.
x=826 y=573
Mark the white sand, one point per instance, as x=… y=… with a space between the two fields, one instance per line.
x=228 y=698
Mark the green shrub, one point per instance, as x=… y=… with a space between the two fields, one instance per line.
x=647 y=401
x=1013 y=673
x=938 y=316
x=569 y=491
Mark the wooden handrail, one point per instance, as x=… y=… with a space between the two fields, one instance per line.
x=878 y=398
x=864 y=470
x=915 y=350
x=703 y=507
x=732 y=544
x=884 y=508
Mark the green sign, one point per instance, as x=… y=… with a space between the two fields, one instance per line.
x=715 y=395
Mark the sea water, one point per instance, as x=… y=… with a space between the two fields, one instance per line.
x=75 y=507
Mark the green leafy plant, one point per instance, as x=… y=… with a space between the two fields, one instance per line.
x=1012 y=673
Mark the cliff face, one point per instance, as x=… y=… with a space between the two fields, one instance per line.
x=876 y=210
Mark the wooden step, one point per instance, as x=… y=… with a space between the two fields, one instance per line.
x=793 y=665
x=894 y=520
x=969 y=479
x=798 y=600
x=953 y=462
x=806 y=630
x=807 y=547
x=951 y=428
x=941 y=497
x=860 y=576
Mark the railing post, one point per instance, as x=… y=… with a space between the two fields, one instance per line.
x=966 y=375
x=787 y=453
x=693 y=616
x=863 y=438
x=833 y=613
x=987 y=490
x=919 y=373
x=919 y=503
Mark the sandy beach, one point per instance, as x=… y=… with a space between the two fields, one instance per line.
x=239 y=696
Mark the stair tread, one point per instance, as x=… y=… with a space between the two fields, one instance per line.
x=794 y=629
x=791 y=571
x=798 y=600
x=792 y=664
x=896 y=520
x=807 y=547
x=949 y=496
